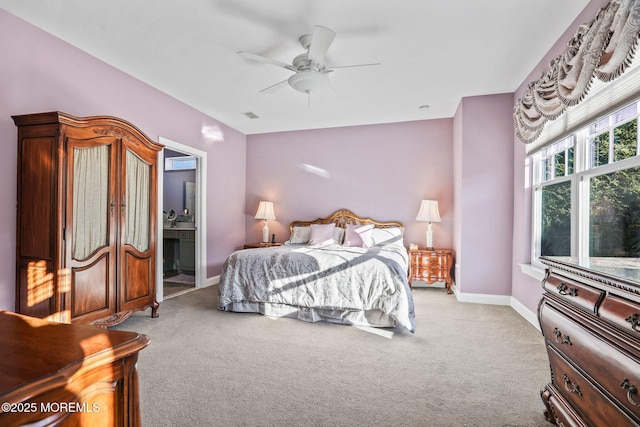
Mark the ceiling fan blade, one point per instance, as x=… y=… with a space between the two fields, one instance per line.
x=275 y=87
x=322 y=39
x=265 y=60
x=351 y=66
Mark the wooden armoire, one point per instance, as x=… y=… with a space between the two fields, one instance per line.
x=86 y=218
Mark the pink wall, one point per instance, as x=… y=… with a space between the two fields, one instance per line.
x=380 y=171
x=41 y=73
x=484 y=194
x=526 y=289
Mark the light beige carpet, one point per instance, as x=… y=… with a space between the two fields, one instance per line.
x=466 y=365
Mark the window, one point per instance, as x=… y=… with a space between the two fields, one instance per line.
x=179 y=163
x=586 y=194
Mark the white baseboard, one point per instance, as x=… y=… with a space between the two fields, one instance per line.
x=508 y=300
x=523 y=311
x=482 y=298
x=215 y=280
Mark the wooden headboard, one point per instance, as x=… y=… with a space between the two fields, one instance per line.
x=343 y=217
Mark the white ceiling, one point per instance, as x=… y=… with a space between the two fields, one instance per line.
x=431 y=52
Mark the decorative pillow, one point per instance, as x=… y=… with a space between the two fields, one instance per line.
x=300 y=235
x=388 y=236
x=322 y=234
x=338 y=234
x=359 y=235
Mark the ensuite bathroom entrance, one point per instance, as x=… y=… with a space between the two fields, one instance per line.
x=179 y=223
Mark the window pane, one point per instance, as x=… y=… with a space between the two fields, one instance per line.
x=614 y=218
x=625 y=140
x=547 y=170
x=625 y=113
x=600 y=150
x=599 y=125
x=556 y=220
x=560 y=164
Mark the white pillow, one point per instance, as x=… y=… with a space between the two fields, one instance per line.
x=359 y=235
x=338 y=234
x=388 y=236
x=322 y=234
x=300 y=235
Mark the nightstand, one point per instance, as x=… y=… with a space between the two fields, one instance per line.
x=431 y=266
x=260 y=245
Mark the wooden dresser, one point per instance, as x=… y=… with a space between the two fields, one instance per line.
x=590 y=319
x=71 y=375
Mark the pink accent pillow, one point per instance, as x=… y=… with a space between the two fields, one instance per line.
x=322 y=234
x=359 y=235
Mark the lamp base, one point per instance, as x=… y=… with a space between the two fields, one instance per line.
x=265 y=232
x=429 y=238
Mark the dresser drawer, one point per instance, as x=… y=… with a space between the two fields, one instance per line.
x=170 y=234
x=578 y=294
x=583 y=396
x=559 y=410
x=621 y=312
x=608 y=366
x=187 y=234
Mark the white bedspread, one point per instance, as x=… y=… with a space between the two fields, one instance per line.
x=334 y=283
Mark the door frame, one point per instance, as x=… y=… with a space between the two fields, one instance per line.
x=200 y=214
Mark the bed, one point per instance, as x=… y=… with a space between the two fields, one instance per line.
x=342 y=269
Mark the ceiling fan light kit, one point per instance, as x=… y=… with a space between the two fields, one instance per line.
x=309 y=67
x=308 y=81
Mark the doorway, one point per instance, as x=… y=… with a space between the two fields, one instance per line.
x=182 y=220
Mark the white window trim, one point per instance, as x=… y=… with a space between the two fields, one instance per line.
x=580 y=179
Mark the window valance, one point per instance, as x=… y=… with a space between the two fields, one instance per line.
x=601 y=49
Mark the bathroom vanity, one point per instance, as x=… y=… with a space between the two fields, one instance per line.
x=180 y=248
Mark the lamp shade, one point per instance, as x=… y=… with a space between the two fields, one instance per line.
x=265 y=211
x=428 y=211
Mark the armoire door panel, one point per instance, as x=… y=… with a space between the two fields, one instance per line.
x=92 y=188
x=91 y=243
x=136 y=202
x=92 y=289
x=138 y=273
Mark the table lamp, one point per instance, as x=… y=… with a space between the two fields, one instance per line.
x=429 y=213
x=265 y=212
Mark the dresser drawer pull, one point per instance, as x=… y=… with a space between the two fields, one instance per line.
x=563 y=289
x=560 y=339
x=631 y=391
x=634 y=319
x=571 y=387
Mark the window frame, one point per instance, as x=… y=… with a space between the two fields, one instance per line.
x=172 y=163
x=582 y=173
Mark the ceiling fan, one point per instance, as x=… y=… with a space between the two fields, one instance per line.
x=309 y=67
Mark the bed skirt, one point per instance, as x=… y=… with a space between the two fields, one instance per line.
x=372 y=318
